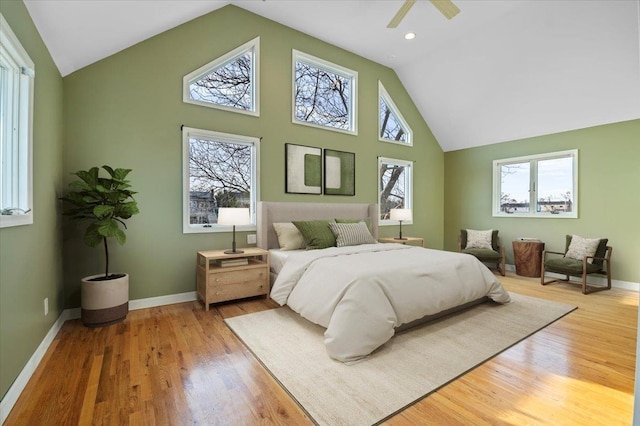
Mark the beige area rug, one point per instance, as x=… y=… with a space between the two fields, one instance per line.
x=408 y=367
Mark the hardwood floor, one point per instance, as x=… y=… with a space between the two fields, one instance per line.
x=180 y=365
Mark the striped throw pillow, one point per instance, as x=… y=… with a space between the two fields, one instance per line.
x=351 y=234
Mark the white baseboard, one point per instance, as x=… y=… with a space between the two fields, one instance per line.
x=152 y=302
x=599 y=280
x=21 y=381
x=12 y=395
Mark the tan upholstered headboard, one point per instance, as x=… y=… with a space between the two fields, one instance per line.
x=270 y=212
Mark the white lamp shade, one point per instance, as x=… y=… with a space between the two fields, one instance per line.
x=233 y=216
x=401 y=214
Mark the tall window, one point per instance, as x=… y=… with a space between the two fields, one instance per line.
x=392 y=127
x=229 y=82
x=324 y=94
x=394 y=187
x=536 y=186
x=220 y=170
x=17 y=74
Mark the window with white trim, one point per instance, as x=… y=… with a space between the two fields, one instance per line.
x=17 y=74
x=392 y=127
x=324 y=94
x=544 y=185
x=229 y=82
x=395 y=181
x=219 y=170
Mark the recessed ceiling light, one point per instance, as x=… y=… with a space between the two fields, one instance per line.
x=410 y=36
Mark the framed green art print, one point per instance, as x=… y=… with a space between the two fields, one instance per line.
x=339 y=172
x=303 y=169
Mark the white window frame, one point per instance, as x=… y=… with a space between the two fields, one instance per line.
x=16 y=146
x=408 y=202
x=254 y=47
x=316 y=62
x=382 y=93
x=533 y=184
x=188 y=133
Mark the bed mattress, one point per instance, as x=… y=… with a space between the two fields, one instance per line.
x=361 y=294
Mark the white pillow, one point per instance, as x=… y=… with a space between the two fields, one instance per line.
x=581 y=247
x=289 y=237
x=351 y=234
x=479 y=239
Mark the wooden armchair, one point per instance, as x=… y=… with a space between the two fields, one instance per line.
x=492 y=255
x=599 y=263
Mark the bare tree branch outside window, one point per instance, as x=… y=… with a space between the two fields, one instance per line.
x=229 y=85
x=392 y=189
x=219 y=176
x=515 y=177
x=390 y=126
x=543 y=184
x=322 y=97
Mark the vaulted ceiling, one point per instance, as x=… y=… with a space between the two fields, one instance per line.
x=498 y=71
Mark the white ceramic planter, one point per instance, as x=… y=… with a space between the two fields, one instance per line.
x=104 y=302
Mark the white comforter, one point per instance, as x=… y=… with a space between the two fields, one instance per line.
x=360 y=294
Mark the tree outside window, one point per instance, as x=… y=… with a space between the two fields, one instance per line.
x=391 y=124
x=394 y=185
x=229 y=85
x=324 y=94
x=220 y=171
x=229 y=82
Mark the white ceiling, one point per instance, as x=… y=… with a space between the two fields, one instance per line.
x=499 y=71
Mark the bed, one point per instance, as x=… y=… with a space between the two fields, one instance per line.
x=364 y=294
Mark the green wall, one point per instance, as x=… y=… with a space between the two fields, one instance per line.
x=609 y=175
x=31 y=255
x=126 y=111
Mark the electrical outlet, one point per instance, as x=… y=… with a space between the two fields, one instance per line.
x=251 y=239
x=46 y=306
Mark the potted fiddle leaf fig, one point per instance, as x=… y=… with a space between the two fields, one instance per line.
x=105 y=203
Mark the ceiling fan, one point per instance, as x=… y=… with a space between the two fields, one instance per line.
x=446 y=7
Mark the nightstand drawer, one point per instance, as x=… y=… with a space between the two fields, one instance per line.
x=246 y=276
x=237 y=284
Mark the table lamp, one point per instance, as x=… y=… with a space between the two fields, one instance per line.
x=401 y=215
x=233 y=216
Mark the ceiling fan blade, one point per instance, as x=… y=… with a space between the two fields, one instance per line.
x=404 y=9
x=446 y=7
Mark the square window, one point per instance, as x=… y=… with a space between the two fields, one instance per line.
x=220 y=170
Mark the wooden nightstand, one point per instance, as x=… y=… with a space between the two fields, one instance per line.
x=218 y=283
x=406 y=240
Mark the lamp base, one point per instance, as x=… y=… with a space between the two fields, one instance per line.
x=400 y=238
x=233 y=252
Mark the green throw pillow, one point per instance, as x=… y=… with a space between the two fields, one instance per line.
x=316 y=233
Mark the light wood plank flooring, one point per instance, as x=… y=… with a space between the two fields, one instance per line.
x=180 y=365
